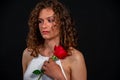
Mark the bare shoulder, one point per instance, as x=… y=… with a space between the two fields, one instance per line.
x=77 y=65
x=26 y=58
x=27 y=54
x=77 y=55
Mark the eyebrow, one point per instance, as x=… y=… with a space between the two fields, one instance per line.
x=47 y=17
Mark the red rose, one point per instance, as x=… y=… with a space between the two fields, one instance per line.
x=60 y=52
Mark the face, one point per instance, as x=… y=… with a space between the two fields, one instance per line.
x=47 y=24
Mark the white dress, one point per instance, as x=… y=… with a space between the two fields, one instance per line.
x=36 y=63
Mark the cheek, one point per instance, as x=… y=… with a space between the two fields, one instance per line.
x=54 y=27
x=55 y=30
x=40 y=29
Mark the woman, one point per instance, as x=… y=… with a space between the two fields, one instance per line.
x=50 y=24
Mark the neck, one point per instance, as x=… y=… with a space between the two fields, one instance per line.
x=50 y=44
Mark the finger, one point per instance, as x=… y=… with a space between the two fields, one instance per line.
x=44 y=67
x=46 y=62
x=50 y=60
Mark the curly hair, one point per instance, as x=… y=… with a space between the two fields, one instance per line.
x=68 y=37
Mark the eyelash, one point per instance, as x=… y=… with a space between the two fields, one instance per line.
x=40 y=21
x=49 y=20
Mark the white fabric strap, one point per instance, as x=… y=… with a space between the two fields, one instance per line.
x=59 y=62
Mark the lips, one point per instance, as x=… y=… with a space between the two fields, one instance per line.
x=45 y=32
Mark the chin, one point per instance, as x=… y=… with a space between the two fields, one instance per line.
x=46 y=37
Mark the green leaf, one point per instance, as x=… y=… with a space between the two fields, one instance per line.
x=54 y=58
x=37 y=72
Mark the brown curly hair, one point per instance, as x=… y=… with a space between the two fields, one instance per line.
x=68 y=37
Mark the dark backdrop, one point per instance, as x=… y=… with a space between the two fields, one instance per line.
x=97 y=26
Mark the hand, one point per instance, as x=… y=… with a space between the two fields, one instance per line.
x=53 y=70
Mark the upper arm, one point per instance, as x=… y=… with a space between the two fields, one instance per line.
x=26 y=57
x=78 y=67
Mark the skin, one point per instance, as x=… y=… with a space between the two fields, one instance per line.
x=73 y=65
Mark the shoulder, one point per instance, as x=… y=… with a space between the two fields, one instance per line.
x=26 y=58
x=27 y=54
x=76 y=58
x=76 y=55
x=77 y=65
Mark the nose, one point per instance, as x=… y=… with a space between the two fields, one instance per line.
x=45 y=24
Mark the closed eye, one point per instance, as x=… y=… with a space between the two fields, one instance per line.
x=51 y=20
x=40 y=21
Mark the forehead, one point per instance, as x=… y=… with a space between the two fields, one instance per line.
x=47 y=12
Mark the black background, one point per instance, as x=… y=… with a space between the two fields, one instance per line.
x=97 y=26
